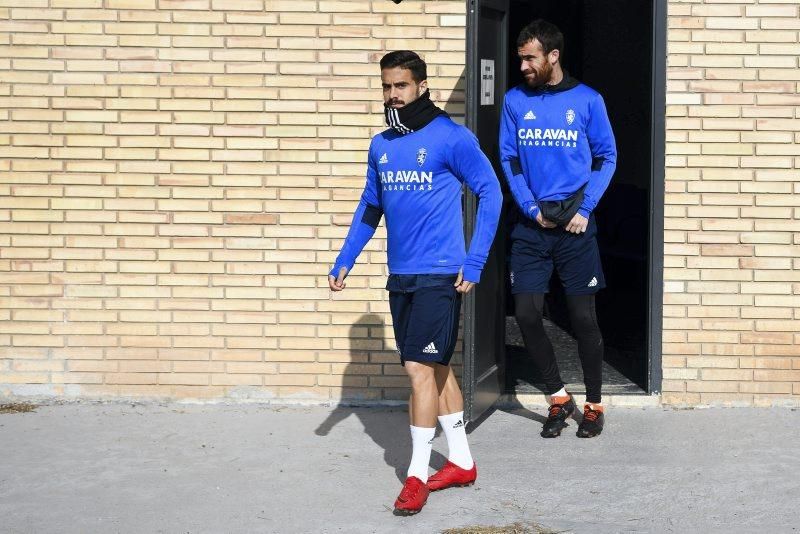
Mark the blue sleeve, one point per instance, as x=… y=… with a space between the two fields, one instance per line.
x=365 y=220
x=469 y=164
x=509 y=159
x=604 y=155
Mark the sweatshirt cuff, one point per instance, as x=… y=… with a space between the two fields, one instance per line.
x=531 y=210
x=584 y=212
x=471 y=274
x=335 y=270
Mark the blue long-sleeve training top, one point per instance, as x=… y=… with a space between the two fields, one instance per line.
x=553 y=141
x=415 y=180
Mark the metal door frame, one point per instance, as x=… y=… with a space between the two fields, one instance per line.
x=657 y=175
x=469 y=380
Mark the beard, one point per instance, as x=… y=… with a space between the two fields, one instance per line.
x=540 y=77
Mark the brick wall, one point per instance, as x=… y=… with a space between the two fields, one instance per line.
x=176 y=175
x=732 y=225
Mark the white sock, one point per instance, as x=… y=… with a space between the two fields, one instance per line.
x=422 y=443
x=560 y=393
x=456 y=433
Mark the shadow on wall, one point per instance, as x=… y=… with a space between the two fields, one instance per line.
x=390 y=433
x=456 y=104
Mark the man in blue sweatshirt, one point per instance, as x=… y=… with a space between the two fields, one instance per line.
x=415 y=173
x=558 y=155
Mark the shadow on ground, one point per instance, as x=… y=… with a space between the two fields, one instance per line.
x=394 y=440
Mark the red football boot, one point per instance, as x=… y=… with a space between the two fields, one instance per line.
x=412 y=498
x=451 y=475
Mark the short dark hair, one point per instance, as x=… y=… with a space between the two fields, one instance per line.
x=546 y=33
x=406 y=59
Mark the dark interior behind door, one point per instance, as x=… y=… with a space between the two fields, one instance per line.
x=617 y=48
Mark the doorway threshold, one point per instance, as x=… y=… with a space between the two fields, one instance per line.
x=526 y=388
x=534 y=398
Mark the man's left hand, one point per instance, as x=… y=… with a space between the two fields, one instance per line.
x=462 y=286
x=578 y=224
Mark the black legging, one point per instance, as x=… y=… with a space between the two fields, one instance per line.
x=583 y=316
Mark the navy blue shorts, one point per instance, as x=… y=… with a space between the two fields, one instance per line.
x=536 y=250
x=425 y=312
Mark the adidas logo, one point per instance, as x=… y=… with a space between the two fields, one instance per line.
x=430 y=349
x=593 y=283
x=383 y=159
x=529 y=116
x=459 y=424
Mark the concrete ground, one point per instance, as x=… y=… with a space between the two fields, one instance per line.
x=96 y=468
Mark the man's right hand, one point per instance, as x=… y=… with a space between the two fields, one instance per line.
x=337 y=284
x=544 y=223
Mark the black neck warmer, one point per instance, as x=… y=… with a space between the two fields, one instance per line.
x=414 y=116
x=567 y=83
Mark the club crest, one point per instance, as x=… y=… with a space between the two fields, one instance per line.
x=421 y=155
x=570 y=116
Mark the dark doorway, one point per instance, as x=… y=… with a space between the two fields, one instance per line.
x=617 y=48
